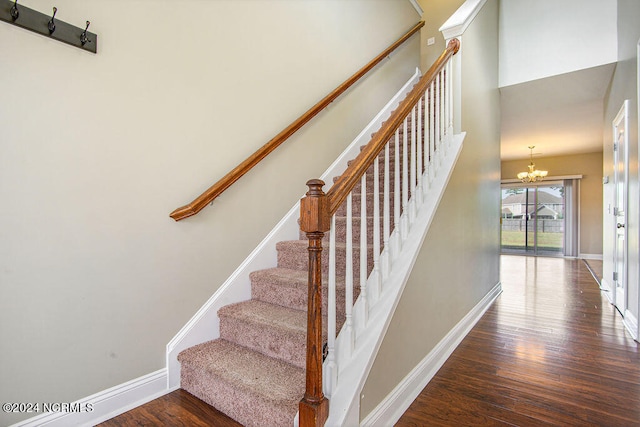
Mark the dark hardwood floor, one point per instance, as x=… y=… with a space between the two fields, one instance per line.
x=177 y=408
x=550 y=351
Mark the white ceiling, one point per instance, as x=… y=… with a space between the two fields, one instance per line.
x=559 y=115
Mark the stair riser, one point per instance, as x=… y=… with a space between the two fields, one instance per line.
x=356 y=206
x=341 y=231
x=370 y=179
x=296 y=257
x=247 y=409
x=292 y=297
x=290 y=348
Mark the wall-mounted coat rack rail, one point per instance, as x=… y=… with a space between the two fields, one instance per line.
x=48 y=25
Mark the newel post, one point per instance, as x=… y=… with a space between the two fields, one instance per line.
x=315 y=220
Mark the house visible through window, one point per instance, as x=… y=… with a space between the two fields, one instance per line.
x=539 y=219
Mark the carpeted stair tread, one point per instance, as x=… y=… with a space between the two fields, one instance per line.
x=270 y=315
x=289 y=279
x=251 y=388
x=281 y=275
x=287 y=287
x=305 y=244
x=271 y=329
x=293 y=254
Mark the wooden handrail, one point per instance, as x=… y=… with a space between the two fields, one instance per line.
x=316 y=210
x=351 y=176
x=216 y=189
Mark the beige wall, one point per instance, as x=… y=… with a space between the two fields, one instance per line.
x=459 y=261
x=590 y=166
x=97 y=150
x=436 y=12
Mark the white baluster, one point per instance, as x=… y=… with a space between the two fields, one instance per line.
x=348 y=325
x=404 y=220
x=445 y=102
x=412 y=169
x=386 y=215
x=419 y=190
x=397 y=241
x=330 y=369
x=432 y=132
x=443 y=119
x=438 y=130
x=450 y=91
x=427 y=165
x=363 y=250
x=376 y=228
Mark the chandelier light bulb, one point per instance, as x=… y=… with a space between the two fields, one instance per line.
x=532 y=175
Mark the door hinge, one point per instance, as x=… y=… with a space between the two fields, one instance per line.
x=615 y=211
x=615 y=276
x=615 y=146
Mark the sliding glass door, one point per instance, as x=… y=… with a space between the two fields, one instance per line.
x=533 y=219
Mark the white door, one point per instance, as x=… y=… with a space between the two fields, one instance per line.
x=620 y=158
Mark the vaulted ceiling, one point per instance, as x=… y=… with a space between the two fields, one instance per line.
x=559 y=115
x=557 y=61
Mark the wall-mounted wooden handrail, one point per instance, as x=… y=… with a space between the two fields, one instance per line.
x=351 y=176
x=216 y=189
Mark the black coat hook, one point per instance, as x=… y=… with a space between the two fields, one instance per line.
x=14 y=10
x=52 y=24
x=47 y=24
x=83 y=37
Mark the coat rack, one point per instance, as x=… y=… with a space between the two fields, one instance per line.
x=47 y=25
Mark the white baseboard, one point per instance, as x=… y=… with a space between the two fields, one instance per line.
x=389 y=411
x=106 y=404
x=590 y=256
x=631 y=323
x=607 y=289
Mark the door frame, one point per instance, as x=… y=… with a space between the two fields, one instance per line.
x=568 y=222
x=620 y=125
x=637 y=324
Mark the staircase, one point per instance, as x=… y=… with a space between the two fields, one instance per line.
x=258 y=368
x=254 y=372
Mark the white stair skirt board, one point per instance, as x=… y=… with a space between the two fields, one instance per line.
x=389 y=411
x=106 y=404
x=345 y=400
x=204 y=325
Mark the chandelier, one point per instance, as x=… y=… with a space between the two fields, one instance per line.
x=533 y=174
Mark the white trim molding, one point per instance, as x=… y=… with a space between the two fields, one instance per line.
x=106 y=404
x=637 y=301
x=605 y=287
x=389 y=411
x=417 y=7
x=590 y=256
x=631 y=323
x=457 y=24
